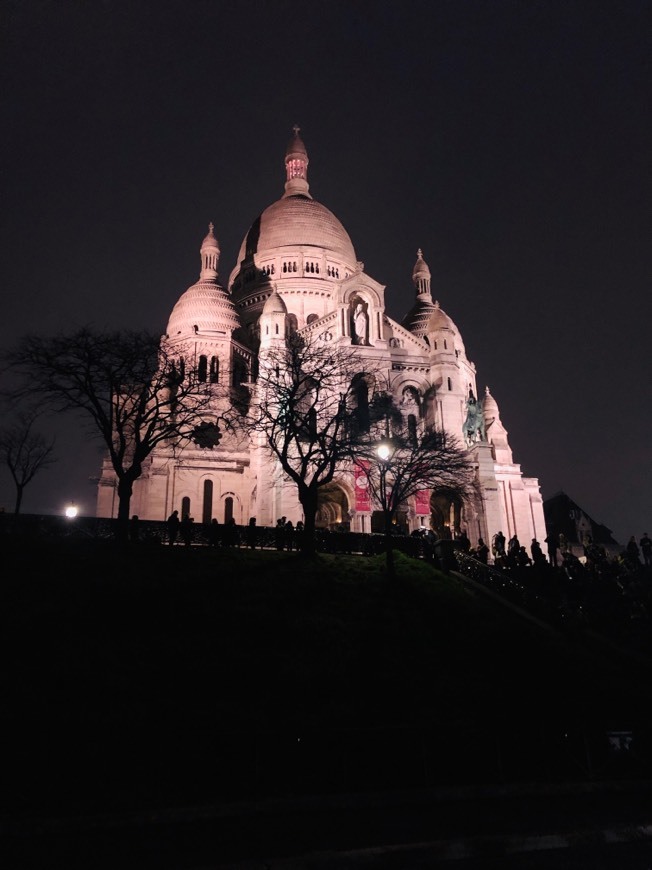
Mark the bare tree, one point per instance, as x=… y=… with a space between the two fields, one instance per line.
x=25 y=451
x=133 y=389
x=399 y=461
x=301 y=414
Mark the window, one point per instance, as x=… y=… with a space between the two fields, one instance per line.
x=360 y=390
x=312 y=317
x=228 y=509
x=412 y=429
x=215 y=370
x=185 y=507
x=202 y=369
x=450 y=384
x=207 y=508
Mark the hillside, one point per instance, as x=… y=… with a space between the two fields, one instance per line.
x=156 y=676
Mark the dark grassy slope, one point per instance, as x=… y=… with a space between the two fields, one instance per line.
x=156 y=676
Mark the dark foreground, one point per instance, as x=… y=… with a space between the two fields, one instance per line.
x=172 y=708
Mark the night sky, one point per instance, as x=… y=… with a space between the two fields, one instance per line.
x=508 y=140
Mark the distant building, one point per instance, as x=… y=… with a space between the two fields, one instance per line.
x=565 y=516
x=297 y=271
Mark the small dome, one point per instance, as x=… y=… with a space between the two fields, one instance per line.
x=490 y=405
x=274 y=304
x=204 y=307
x=417 y=320
x=440 y=320
x=295 y=148
x=421 y=269
x=210 y=241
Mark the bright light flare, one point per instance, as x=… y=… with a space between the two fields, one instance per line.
x=72 y=511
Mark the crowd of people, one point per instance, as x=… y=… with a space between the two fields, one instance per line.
x=590 y=586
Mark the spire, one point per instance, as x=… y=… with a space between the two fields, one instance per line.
x=296 y=167
x=421 y=278
x=210 y=256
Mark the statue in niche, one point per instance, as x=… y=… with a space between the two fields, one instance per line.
x=473 y=428
x=360 y=322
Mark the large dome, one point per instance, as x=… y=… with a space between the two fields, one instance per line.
x=295 y=221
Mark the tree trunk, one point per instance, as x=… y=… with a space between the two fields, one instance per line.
x=309 y=504
x=389 y=547
x=19 y=500
x=125 y=489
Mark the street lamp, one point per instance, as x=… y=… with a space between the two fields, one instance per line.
x=72 y=511
x=384 y=452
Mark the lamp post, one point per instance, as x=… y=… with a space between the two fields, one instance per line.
x=384 y=452
x=72 y=510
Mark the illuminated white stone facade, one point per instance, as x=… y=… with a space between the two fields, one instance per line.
x=297 y=270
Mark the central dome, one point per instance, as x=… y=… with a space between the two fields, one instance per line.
x=295 y=221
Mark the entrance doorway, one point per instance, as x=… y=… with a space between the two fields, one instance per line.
x=332 y=508
x=447 y=511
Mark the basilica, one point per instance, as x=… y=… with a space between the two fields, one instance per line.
x=297 y=271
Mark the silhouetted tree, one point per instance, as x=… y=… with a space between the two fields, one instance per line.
x=25 y=451
x=399 y=460
x=301 y=413
x=132 y=388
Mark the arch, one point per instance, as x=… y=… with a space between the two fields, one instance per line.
x=215 y=370
x=292 y=324
x=231 y=507
x=185 y=507
x=410 y=397
x=207 y=502
x=447 y=513
x=333 y=507
x=361 y=391
x=311 y=318
x=202 y=369
x=359 y=320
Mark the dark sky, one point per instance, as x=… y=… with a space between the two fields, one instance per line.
x=509 y=140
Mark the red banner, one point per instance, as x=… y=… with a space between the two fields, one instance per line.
x=423 y=502
x=362 y=499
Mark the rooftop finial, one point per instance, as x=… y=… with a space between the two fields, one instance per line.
x=296 y=167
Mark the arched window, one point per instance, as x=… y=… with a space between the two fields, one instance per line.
x=215 y=370
x=450 y=384
x=292 y=324
x=360 y=389
x=202 y=369
x=412 y=429
x=207 y=507
x=185 y=507
x=228 y=509
x=311 y=318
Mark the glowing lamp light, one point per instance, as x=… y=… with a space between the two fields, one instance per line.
x=72 y=511
x=384 y=451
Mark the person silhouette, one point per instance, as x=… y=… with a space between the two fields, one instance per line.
x=173 y=523
x=214 y=533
